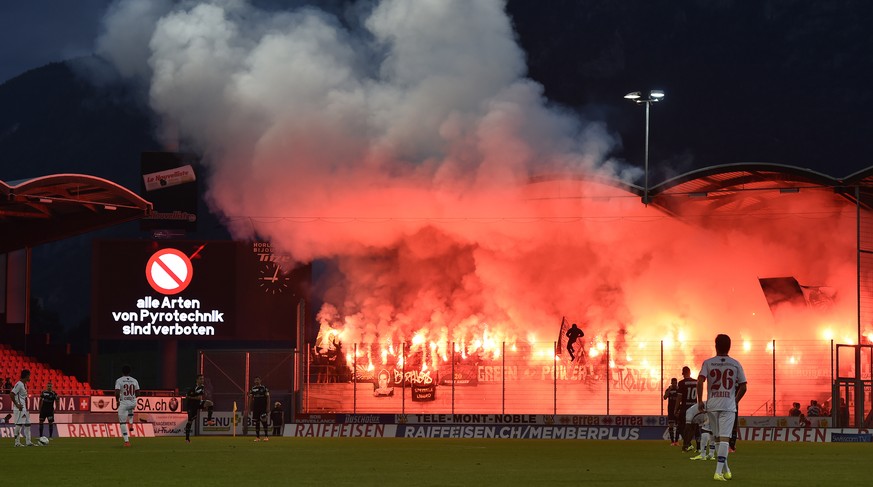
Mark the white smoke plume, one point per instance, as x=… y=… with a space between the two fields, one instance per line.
x=400 y=140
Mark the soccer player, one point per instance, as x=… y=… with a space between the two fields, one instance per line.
x=725 y=385
x=259 y=398
x=671 y=395
x=687 y=397
x=126 y=388
x=194 y=403
x=48 y=399
x=20 y=416
x=700 y=421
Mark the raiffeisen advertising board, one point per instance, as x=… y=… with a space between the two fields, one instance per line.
x=193 y=290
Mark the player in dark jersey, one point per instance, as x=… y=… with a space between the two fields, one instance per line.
x=47 y=401
x=277 y=417
x=687 y=397
x=195 y=401
x=671 y=395
x=259 y=398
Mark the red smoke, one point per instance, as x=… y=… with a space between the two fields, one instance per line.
x=411 y=150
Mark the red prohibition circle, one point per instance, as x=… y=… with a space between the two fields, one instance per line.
x=169 y=271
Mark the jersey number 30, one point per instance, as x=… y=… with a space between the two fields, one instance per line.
x=129 y=390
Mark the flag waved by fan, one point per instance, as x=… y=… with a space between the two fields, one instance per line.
x=567 y=337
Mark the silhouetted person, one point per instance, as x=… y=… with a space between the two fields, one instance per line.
x=843 y=413
x=277 y=418
x=671 y=395
x=687 y=398
x=813 y=410
x=573 y=334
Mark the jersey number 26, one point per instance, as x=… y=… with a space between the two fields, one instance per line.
x=721 y=380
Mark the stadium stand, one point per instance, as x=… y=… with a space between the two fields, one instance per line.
x=12 y=361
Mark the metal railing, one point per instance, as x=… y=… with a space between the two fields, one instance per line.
x=608 y=378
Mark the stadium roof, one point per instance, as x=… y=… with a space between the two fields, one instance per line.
x=743 y=187
x=48 y=208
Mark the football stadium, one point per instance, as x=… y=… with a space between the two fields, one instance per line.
x=421 y=243
x=454 y=378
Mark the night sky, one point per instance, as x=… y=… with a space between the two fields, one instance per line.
x=786 y=82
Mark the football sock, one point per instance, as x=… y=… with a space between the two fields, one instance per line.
x=40 y=428
x=16 y=430
x=124 y=433
x=266 y=430
x=258 y=428
x=188 y=430
x=209 y=413
x=51 y=429
x=27 y=434
x=704 y=443
x=722 y=450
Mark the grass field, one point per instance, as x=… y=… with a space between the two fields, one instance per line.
x=416 y=462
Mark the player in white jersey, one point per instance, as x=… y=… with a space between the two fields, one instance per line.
x=725 y=386
x=701 y=420
x=20 y=416
x=126 y=388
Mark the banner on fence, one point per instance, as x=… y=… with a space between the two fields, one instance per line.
x=807 y=435
x=6 y=430
x=461 y=375
x=341 y=430
x=424 y=393
x=166 y=424
x=851 y=438
x=146 y=404
x=782 y=421
x=537 y=432
x=223 y=423
x=64 y=404
x=102 y=430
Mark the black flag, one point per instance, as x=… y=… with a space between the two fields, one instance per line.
x=562 y=336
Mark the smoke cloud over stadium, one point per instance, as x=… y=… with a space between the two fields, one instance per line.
x=403 y=141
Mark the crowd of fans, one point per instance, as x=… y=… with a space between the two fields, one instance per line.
x=815 y=410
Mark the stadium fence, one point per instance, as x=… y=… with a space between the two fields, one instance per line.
x=609 y=378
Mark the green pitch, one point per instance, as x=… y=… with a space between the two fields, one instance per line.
x=417 y=462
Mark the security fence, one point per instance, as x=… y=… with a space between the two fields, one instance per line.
x=607 y=378
x=229 y=375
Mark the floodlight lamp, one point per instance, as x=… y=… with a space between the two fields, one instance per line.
x=110 y=207
x=656 y=95
x=636 y=95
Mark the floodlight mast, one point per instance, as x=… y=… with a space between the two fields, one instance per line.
x=654 y=97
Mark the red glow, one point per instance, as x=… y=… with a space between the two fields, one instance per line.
x=632 y=277
x=411 y=173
